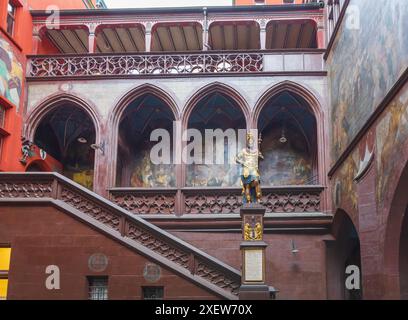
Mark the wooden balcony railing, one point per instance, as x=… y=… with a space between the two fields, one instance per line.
x=142 y=65
x=287 y=199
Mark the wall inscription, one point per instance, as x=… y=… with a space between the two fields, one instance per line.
x=253 y=265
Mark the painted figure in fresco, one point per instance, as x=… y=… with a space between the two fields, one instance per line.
x=250 y=177
x=11 y=74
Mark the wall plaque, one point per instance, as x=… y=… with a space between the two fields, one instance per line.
x=253 y=265
x=152 y=272
x=98 y=262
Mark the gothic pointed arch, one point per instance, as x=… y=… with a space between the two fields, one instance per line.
x=137 y=114
x=62 y=132
x=216 y=107
x=291 y=120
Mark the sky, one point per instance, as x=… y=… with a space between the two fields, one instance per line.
x=165 y=3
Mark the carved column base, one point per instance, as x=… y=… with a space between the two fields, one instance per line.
x=253 y=286
x=254 y=292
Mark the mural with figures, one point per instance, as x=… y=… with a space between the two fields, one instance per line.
x=136 y=170
x=11 y=73
x=358 y=82
x=392 y=136
x=285 y=163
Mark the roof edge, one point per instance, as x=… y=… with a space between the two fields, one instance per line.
x=129 y=11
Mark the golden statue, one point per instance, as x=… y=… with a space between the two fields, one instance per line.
x=250 y=177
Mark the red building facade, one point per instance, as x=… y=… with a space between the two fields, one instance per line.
x=83 y=94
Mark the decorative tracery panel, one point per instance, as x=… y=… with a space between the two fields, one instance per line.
x=115 y=65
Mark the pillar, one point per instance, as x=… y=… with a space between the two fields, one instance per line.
x=262 y=34
x=92 y=37
x=148 y=36
x=253 y=286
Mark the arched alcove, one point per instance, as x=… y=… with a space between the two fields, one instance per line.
x=67 y=133
x=134 y=166
x=215 y=110
x=289 y=140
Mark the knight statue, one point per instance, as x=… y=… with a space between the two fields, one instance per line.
x=250 y=177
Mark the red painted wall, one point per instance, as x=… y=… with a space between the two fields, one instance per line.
x=67 y=4
x=21 y=43
x=51 y=237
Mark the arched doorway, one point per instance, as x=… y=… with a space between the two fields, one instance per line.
x=396 y=242
x=67 y=133
x=215 y=112
x=134 y=167
x=342 y=254
x=289 y=141
x=403 y=257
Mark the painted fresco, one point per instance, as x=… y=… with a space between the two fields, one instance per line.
x=344 y=186
x=392 y=135
x=202 y=175
x=213 y=175
x=285 y=163
x=11 y=73
x=136 y=170
x=146 y=174
x=365 y=64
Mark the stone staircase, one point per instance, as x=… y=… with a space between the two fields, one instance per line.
x=122 y=226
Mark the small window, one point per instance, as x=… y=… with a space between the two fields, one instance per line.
x=11 y=18
x=288 y=1
x=5 y=254
x=152 y=293
x=259 y=2
x=98 y=288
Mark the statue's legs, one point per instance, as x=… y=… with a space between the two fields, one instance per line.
x=248 y=192
x=258 y=189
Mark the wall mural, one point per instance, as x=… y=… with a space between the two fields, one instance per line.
x=286 y=163
x=392 y=134
x=11 y=73
x=362 y=68
x=146 y=174
x=136 y=170
x=213 y=175
x=344 y=186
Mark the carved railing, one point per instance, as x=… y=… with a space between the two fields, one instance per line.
x=134 y=65
x=145 y=201
x=288 y=199
x=55 y=187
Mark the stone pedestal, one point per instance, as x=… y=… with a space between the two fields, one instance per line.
x=253 y=247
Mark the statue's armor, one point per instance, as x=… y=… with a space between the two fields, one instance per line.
x=249 y=161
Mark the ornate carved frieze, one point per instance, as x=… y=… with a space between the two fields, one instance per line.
x=276 y=200
x=148 y=203
x=204 y=203
x=220 y=279
x=91 y=208
x=291 y=201
x=139 y=65
x=25 y=189
x=152 y=242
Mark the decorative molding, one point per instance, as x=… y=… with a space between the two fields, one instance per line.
x=150 y=202
x=299 y=199
x=204 y=270
x=90 y=208
x=140 y=65
x=26 y=189
x=148 y=240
